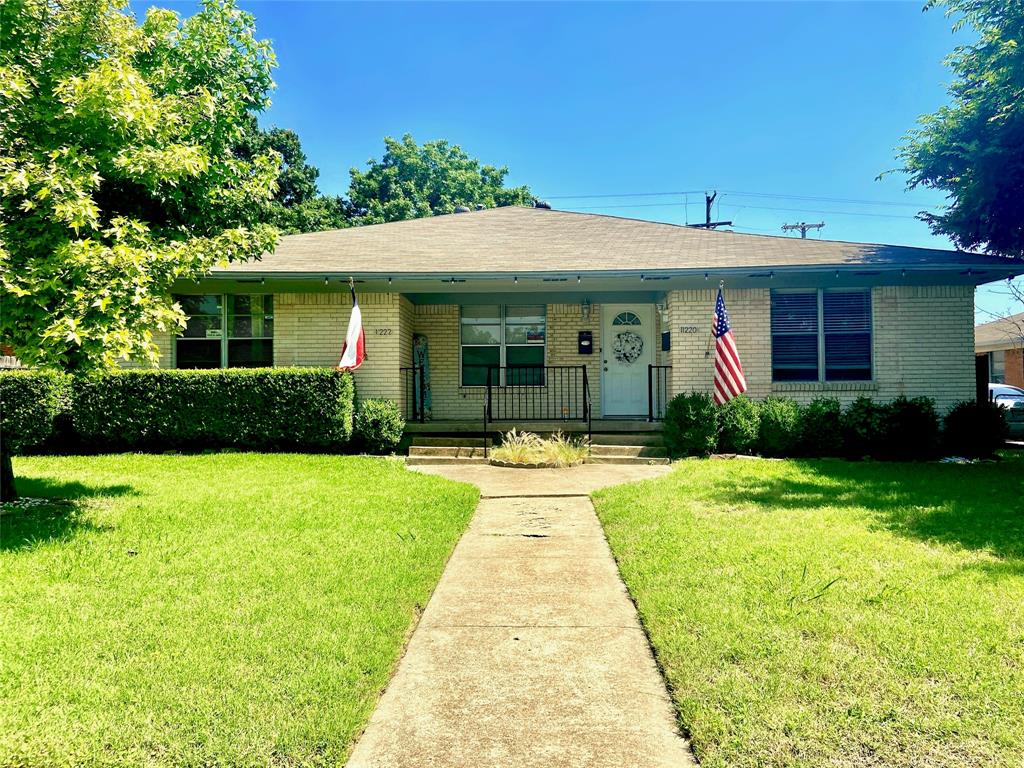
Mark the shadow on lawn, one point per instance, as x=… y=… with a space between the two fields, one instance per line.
x=60 y=520
x=977 y=507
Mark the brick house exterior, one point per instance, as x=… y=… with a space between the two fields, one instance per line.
x=1000 y=344
x=810 y=317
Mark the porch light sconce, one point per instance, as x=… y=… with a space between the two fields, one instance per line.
x=903 y=273
x=705 y=275
x=585 y=309
x=326 y=281
x=662 y=308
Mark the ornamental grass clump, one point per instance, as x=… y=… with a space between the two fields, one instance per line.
x=519 y=448
x=559 y=450
x=564 y=451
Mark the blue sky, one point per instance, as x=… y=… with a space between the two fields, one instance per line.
x=794 y=102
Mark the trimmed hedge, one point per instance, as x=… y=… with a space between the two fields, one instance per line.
x=691 y=425
x=379 y=426
x=779 y=432
x=257 y=408
x=820 y=427
x=863 y=428
x=30 y=401
x=739 y=423
x=911 y=430
x=976 y=430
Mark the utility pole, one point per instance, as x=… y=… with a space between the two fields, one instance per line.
x=803 y=227
x=708 y=223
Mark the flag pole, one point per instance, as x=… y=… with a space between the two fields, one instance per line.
x=707 y=349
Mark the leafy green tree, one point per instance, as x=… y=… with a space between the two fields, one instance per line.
x=118 y=170
x=297 y=206
x=413 y=181
x=971 y=149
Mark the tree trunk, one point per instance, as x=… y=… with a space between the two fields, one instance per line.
x=7 y=490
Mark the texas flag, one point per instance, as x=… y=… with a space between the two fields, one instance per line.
x=354 y=351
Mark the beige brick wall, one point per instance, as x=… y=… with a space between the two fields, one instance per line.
x=165 y=342
x=923 y=344
x=309 y=329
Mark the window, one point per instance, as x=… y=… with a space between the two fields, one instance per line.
x=997 y=366
x=822 y=335
x=494 y=336
x=234 y=331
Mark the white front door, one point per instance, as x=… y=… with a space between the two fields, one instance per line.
x=627 y=348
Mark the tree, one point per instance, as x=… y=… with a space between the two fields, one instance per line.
x=411 y=181
x=117 y=170
x=971 y=149
x=118 y=175
x=297 y=206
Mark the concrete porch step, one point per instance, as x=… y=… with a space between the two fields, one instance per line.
x=628 y=439
x=423 y=441
x=444 y=460
x=451 y=451
x=644 y=451
x=646 y=460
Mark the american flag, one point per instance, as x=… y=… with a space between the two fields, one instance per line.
x=729 y=380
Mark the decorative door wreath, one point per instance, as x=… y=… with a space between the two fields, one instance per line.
x=628 y=347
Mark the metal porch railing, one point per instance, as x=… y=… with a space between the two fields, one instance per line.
x=657 y=391
x=413 y=387
x=536 y=393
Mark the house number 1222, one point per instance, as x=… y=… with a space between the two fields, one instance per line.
x=382 y=331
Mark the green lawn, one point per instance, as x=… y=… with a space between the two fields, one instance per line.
x=218 y=610
x=833 y=614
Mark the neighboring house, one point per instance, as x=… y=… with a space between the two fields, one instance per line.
x=543 y=311
x=999 y=346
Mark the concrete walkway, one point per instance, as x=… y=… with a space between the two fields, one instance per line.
x=529 y=653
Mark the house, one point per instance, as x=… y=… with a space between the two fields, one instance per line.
x=544 y=315
x=999 y=346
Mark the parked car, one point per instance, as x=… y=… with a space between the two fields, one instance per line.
x=1011 y=398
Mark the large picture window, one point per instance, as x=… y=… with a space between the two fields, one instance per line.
x=822 y=335
x=494 y=336
x=233 y=331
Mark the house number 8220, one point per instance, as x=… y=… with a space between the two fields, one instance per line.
x=382 y=331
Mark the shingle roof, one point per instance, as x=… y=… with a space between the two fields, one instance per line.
x=1004 y=333
x=524 y=240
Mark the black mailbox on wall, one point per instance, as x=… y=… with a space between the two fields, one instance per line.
x=585 y=342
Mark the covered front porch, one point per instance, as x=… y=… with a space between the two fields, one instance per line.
x=564 y=360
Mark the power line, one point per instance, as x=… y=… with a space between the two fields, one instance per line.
x=819 y=210
x=775 y=195
x=624 y=194
x=742 y=206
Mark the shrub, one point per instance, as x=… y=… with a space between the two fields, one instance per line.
x=975 y=429
x=379 y=425
x=258 y=408
x=911 y=429
x=820 y=428
x=740 y=420
x=30 y=401
x=779 y=431
x=863 y=428
x=691 y=425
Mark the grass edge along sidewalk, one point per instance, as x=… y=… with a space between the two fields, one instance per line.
x=230 y=609
x=832 y=613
